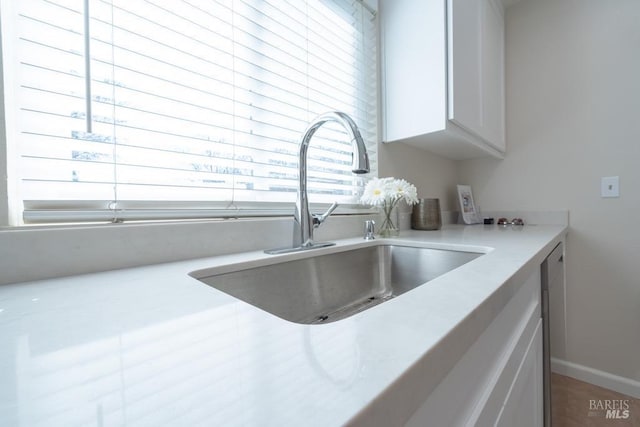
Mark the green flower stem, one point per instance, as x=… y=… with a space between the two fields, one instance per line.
x=389 y=228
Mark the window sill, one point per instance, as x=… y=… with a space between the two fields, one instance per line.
x=37 y=252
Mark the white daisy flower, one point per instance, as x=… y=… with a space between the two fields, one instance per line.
x=388 y=191
x=405 y=190
x=375 y=192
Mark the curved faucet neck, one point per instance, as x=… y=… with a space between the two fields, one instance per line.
x=303 y=220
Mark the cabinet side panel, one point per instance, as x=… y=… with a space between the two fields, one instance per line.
x=413 y=73
x=493 y=114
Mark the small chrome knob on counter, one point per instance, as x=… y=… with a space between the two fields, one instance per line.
x=369 y=229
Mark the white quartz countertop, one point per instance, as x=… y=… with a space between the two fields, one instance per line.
x=153 y=346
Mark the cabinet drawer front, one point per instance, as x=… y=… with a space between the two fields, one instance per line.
x=523 y=405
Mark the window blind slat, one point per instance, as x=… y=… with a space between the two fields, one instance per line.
x=188 y=100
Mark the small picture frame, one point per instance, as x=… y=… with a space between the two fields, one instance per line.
x=468 y=211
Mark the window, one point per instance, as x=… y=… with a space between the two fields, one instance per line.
x=143 y=109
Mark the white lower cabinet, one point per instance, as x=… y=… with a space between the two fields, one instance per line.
x=523 y=406
x=498 y=382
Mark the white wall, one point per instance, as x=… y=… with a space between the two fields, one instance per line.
x=573 y=105
x=434 y=176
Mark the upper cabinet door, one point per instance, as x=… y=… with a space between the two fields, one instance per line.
x=476 y=68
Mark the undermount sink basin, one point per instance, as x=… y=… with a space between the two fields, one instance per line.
x=326 y=288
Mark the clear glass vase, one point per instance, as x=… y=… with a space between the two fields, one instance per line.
x=389 y=227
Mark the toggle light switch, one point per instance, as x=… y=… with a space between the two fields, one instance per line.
x=610 y=186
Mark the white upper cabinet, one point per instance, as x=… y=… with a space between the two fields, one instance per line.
x=443 y=75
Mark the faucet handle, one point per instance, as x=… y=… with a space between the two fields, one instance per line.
x=319 y=219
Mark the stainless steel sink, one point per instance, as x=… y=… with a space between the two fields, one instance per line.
x=326 y=288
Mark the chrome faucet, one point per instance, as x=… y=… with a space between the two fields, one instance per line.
x=303 y=221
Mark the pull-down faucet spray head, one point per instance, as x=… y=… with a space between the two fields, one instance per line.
x=359 y=151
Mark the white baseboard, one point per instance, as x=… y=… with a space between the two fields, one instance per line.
x=593 y=376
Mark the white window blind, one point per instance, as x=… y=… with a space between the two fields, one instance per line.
x=134 y=109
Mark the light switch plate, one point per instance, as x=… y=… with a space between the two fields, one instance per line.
x=610 y=186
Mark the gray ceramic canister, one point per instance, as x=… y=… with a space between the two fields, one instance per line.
x=426 y=215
